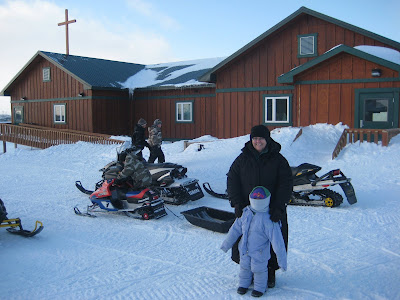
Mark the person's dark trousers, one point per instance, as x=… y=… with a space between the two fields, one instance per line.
x=140 y=155
x=156 y=153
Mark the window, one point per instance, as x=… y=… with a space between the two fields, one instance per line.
x=59 y=113
x=18 y=114
x=276 y=109
x=184 y=111
x=46 y=74
x=307 y=45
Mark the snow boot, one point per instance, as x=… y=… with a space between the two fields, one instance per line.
x=241 y=290
x=257 y=294
x=271 y=278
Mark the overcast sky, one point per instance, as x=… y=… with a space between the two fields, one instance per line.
x=159 y=31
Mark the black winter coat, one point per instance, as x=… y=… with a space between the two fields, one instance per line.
x=269 y=169
x=138 y=138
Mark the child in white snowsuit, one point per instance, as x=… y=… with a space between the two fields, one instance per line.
x=258 y=233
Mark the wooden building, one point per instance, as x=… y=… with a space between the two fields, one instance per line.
x=309 y=68
x=305 y=70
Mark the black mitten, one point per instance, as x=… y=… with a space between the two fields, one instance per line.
x=238 y=211
x=275 y=216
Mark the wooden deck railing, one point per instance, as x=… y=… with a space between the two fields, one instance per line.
x=353 y=135
x=43 y=138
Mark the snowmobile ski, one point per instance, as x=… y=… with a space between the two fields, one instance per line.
x=78 y=184
x=210 y=191
x=86 y=214
x=12 y=224
x=23 y=232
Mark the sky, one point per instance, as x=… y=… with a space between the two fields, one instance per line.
x=345 y=252
x=157 y=31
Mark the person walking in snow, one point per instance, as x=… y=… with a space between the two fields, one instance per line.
x=138 y=137
x=261 y=164
x=258 y=233
x=155 y=141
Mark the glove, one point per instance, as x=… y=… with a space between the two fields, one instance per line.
x=238 y=211
x=118 y=181
x=275 y=216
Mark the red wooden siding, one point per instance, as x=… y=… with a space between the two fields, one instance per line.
x=262 y=64
x=334 y=102
x=160 y=104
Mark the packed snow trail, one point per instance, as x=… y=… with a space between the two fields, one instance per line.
x=332 y=251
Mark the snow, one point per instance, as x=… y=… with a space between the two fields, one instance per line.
x=381 y=52
x=348 y=252
x=158 y=74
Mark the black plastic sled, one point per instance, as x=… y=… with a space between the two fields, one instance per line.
x=210 y=218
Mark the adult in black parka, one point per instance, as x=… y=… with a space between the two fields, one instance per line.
x=261 y=164
x=138 y=138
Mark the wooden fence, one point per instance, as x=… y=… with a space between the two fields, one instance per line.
x=43 y=138
x=369 y=135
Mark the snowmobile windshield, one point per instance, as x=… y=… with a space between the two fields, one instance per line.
x=121 y=151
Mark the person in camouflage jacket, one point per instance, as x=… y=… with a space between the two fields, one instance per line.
x=155 y=141
x=133 y=169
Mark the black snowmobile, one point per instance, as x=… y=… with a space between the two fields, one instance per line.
x=143 y=204
x=15 y=225
x=171 y=182
x=309 y=189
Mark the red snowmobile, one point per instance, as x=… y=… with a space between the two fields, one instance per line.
x=143 y=204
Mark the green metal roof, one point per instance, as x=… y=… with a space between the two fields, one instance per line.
x=95 y=72
x=210 y=75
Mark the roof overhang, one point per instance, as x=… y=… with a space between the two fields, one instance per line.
x=289 y=76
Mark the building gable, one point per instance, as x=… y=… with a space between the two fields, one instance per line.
x=273 y=32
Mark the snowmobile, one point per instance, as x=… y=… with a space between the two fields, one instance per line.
x=169 y=180
x=14 y=223
x=143 y=204
x=310 y=189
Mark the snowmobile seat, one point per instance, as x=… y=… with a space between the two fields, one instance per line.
x=166 y=165
x=304 y=166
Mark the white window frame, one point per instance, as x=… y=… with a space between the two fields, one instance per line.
x=274 y=98
x=59 y=110
x=314 y=44
x=46 y=74
x=180 y=108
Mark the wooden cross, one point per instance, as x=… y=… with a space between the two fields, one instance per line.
x=66 y=28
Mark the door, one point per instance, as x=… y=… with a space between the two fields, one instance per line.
x=376 y=110
x=18 y=114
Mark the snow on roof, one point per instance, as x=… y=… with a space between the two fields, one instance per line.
x=184 y=73
x=381 y=52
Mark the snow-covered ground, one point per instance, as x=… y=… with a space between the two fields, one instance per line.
x=348 y=252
